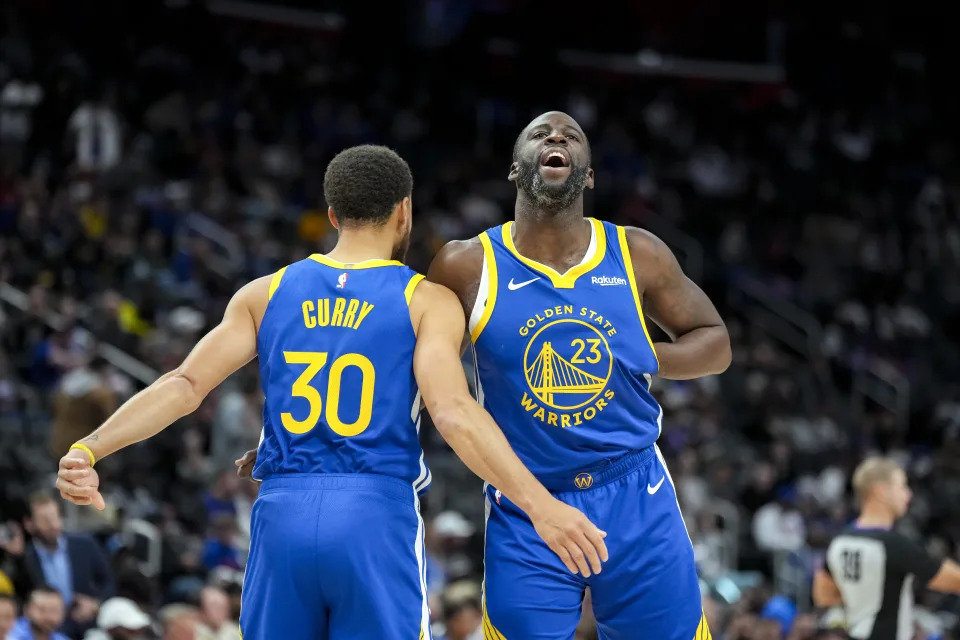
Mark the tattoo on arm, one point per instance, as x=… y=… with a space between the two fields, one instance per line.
x=91 y=438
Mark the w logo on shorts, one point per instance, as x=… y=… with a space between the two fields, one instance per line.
x=583 y=481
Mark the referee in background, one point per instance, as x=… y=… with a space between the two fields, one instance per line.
x=870 y=569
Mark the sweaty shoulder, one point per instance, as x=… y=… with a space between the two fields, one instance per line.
x=458 y=266
x=652 y=259
x=438 y=300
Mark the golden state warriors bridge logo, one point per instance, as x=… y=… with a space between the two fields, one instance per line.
x=567 y=364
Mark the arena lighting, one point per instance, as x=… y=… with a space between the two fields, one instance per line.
x=653 y=63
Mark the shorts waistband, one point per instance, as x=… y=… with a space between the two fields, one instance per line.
x=599 y=475
x=385 y=485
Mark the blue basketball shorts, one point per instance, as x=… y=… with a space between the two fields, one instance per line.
x=335 y=557
x=648 y=589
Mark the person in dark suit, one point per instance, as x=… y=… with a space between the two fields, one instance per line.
x=71 y=563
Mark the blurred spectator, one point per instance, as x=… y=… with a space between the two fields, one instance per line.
x=220 y=499
x=180 y=622
x=73 y=564
x=120 y=619
x=781 y=611
x=81 y=403
x=237 y=423
x=462 y=611
x=215 y=616
x=43 y=614
x=778 y=525
x=8 y=614
x=220 y=548
x=96 y=134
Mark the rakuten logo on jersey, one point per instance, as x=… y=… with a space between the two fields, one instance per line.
x=606 y=281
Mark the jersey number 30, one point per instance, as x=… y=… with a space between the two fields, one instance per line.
x=302 y=388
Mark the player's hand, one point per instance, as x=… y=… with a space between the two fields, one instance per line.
x=245 y=464
x=572 y=536
x=77 y=481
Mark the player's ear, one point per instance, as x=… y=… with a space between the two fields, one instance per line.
x=589 y=178
x=405 y=213
x=333 y=218
x=514 y=172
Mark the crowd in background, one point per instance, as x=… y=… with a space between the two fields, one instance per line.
x=148 y=170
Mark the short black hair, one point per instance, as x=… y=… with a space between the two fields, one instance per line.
x=364 y=184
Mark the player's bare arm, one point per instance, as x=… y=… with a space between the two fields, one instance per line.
x=700 y=344
x=479 y=442
x=458 y=266
x=229 y=346
x=825 y=590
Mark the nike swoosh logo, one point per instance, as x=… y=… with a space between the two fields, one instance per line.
x=652 y=490
x=513 y=286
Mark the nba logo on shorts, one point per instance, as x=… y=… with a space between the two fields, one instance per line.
x=342 y=281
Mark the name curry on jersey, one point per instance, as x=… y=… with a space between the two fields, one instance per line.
x=567 y=365
x=342 y=312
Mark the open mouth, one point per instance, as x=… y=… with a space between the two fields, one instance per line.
x=555 y=158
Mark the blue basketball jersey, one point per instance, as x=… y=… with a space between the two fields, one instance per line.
x=564 y=362
x=336 y=364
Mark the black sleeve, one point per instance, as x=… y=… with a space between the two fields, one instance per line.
x=907 y=556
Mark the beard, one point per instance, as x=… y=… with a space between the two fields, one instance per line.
x=552 y=196
x=400 y=249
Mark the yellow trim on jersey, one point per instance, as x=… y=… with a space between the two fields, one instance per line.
x=632 y=278
x=275 y=282
x=703 y=629
x=491 y=262
x=490 y=632
x=411 y=287
x=568 y=279
x=366 y=264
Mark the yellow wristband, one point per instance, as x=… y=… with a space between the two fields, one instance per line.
x=86 y=450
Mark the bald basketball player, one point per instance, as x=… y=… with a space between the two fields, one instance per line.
x=555 y=305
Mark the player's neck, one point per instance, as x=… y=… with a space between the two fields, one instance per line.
x=359 y=246
x=875 y=517
x=548 y=236
x=527 y=213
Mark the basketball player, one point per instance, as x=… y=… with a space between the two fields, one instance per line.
x=555 y=304
x=345 y=341
x=872 y=570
